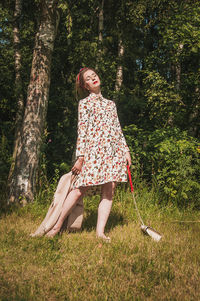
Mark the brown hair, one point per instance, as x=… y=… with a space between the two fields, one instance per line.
x=81 y=91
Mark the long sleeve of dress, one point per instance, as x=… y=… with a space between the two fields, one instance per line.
x=118 y=127
x=83 y=120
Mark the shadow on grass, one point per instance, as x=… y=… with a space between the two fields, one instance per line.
x=6 y=209
x=90 y=221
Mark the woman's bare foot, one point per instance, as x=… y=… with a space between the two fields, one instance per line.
x=104 y=237
x=53 y=232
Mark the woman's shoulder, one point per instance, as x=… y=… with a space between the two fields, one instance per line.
x=84 y=101
x=110 y=102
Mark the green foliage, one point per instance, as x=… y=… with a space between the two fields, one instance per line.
x=176 y=166
x=169 y=158
x=160 y=85
x=173 y=64
x=180 y=25
x=162 y=99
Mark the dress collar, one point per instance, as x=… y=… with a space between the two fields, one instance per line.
x=96 y=96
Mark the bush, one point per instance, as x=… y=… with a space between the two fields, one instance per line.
x=169 y=159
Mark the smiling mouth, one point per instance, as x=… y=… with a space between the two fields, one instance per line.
x=95 y=82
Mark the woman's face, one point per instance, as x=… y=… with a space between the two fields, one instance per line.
x=92 y=81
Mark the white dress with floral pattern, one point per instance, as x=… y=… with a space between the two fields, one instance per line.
x=101 y=142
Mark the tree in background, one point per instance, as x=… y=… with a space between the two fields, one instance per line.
x=18 y=83
x=22 y=185
x=171 y=78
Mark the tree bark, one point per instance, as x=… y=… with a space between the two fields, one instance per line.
x=18 y=84
x=119 y=75
x=101 y=26
x=101 y=19
x=194 y=115
x=23 y=182
x=178 y=68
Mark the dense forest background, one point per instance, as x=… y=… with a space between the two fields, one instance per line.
x=147 y=54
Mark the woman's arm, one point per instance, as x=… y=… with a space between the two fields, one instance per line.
x=76 y=169
x=83 y=119
x=123 y=140
x=128 y=158
x=119 y=129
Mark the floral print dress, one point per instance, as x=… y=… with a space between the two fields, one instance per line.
x=101 y=142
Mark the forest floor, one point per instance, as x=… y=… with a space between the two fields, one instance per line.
x=78 y=266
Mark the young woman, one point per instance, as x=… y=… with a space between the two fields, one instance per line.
x=102 y=153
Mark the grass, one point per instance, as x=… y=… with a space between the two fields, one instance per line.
x=80 y=267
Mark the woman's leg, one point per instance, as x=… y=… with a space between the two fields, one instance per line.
x=69 y=203
x=104 y=208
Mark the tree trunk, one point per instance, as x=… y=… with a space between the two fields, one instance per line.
x=178 y=68
x=101 y=19
x=194 y=115
x=119 y=75
x=178 y=75
x=18 y=84
x=22 y=186
x=100 y=40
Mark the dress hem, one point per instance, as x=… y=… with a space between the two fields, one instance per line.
x=93 y=185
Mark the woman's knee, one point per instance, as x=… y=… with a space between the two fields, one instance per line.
x=80 y=191
x=77 y=193
x=108 y=190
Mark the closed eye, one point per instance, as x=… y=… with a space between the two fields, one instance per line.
x=90 y=77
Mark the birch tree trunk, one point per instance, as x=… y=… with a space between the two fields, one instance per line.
x=23 y=182
x=194 y=115
x=101 y=19
x=178 y=68
x=100 y=39
x=18 y=84
x=119 y=75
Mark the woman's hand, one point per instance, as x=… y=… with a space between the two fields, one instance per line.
x=76 y=169
x=128 y=158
